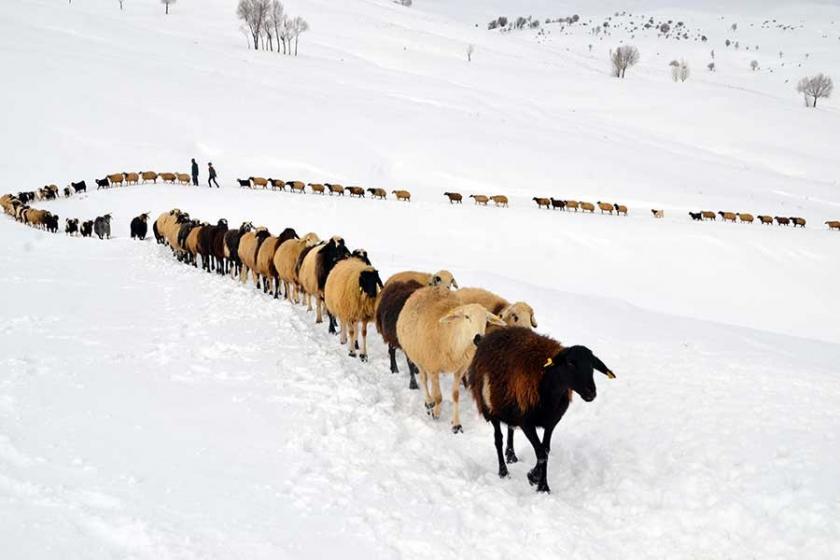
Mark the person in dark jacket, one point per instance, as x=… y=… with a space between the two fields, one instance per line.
x=194 y=172
x=212 y=179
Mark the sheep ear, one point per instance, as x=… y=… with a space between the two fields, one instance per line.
x=495 y=320
x=452 y=316
x=600 y=366
x=533 y=322
x=455 y=284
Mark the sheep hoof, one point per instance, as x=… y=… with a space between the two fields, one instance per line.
x=429 y=408
x=544 y=488
x=363 y=357
x=457 y=429
x=503 y=472
x=413 y=385
x=352 y=353
x=511 y=457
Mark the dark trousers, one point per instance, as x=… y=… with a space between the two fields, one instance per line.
x=195 y=180
x=210 y=182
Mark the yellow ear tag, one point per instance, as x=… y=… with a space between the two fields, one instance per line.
x=548 y=363
x=610 y=374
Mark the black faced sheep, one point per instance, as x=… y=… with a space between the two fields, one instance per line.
x=439 y=333
x=525 y=379
x=350 y=296
x=388 y=308
x=314 y=270
x=696 y=216
x=79 y=187
x=244 y=182
x=285 y=263
x=231 y=249
x=87 y=228
x=71 y=226
x=102 y=183
x=454 y=198
x=102 y=226
x=140 y=226
x=555 y=204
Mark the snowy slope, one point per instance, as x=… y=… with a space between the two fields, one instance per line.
x=150 y=410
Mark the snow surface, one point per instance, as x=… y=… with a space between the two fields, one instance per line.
x=150 y=410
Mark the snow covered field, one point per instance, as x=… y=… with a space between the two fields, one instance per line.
x=150 y=410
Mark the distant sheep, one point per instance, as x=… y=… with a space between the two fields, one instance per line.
x=766 y=220
x=620 y=209
x=745 y=218
x=727 y=216
x=335 y=189
x=168 y=177
x=525 y=379
x=244 y=182
x=317 y=188
x=587 y=207
x=87 y=228
x=454 y=198
x=356 y=191
x=277 y=184
x=350 y=295
x=183 y=178
x=149 y=176
x=797 y=221
x=542 y=202
x=79 y=187
x=116 y=179
x=377 y=192
x=402 y=195
x=102 y=226
x=605 y=207
x=556 y=203
x=439 y=334
x=68 y=192
x=833 y=224
x=296 y=186
x=259 y=181
x=658 y=214
x=140 y=226
x=480 y=199
x=572 y=205
x=131 y=178
x=71 y=226
x=500 y=200
x=102 y=183
x=782 y=221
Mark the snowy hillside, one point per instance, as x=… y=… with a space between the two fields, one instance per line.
x=150 y=410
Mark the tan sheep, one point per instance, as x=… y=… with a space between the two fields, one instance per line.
x=149 y=176
x=116 y=179
x=377 y=192
x=402 y=195
x=317 y=188
x=518 y=314
x=296 y=186
x=620 y=209
x=439 y=334
x=168 y=177
x=132 y=178
x=587 y=207
x=285 y=263
x=572 y=204
x=183 y=178
x=356 y=191
x=658 y=214
x=259 y=182
x=500 y=200
x=350 y=294
x=480 y=199
x=833 y=224
x=766 y=220
x=605 y=207
x=249 y=245
x=439 y=278
x=335 y=188
x=745 y=218
x=542 y=202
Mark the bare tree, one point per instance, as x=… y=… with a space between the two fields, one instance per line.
x=711 y=66
x=299 y=25
x=167 y=3
x=622 y=58
x=121 y=4
x=816 y=87
x=685 y=71
x=277 y=16
x=286 y=34
x=679 y=70
x=253 y=13
x=754 y=65
x=470 y=51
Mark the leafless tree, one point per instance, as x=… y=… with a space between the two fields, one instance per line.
x=470 y=51
x=277 y=17
x=754 y=65
x=679 y=70
x=121 y=4
x=299 y=25
x=815 y=88
x=622 y=58
x=711 y=66
x=253 y=13
x=167 y=3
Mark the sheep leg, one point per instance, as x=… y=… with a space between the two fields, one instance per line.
x=333 y=323
x=497 y=439
x=510 y=454
x=456 y=403
x=412 y=371
x=427 y=399
x=352 y=328
x=343 y=335
x=276 y=282
x=363 y=356
x=319 y=318
x=392 y=355
x=436 y=395
x=539 y=474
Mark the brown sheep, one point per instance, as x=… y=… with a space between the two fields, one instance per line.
x=249 y=246
x=402 y=195
x=168 y=177
x=745 y=218
x=314 y=270
x=727 y=216
x=116 y=179
x=191 y=244
x=833 y=224
x=658 y=214
x=264 y=265
x=620 y=209
x=708 y=215
x=500 y=200
x=285 y=261
x=149 y=176
x=480 y=199
x=335 y=189
x=391 y=301
x=782 y=221
x=527 y=380
x=350 y=295
x=377 y=192
x=259 y=181
x=454 y=198
x=317 y=188
x=277 y=184
x=797 y=221
x=605 y=207
x=296 y=186
x=439 y=334
x=766 y=220
x=587 y=207
x=356 y=191
x=439 y=278
x=570 y=204
x=183 y=178
x=132 y=178
x=36 y=218
x=542 y=202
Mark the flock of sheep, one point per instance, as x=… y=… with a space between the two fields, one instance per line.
x=747 y=218
x=321 y=188
x=515 y=375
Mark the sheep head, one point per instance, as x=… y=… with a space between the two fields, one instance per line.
x=370 y=283
x=362 y=255
x=310 y=239
x=575 y=367
x=519 y=314
x=469 y=323
x=443 y=278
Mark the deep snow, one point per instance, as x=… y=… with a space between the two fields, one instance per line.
x=150 y=410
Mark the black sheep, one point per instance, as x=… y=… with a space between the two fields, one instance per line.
x=696 y=216
x=87 y=228
x=140 y=226
x=102 y=226
x=525 y=379
x=561 y=204
x=79 y=187
x=71 y=226
x=232 y=238
x=102 y=183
